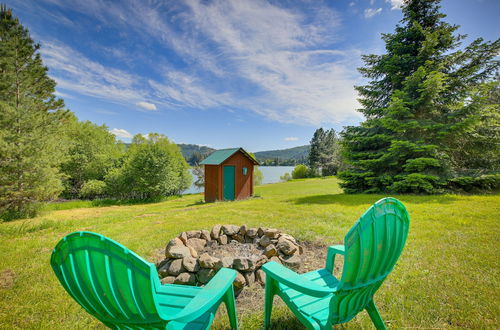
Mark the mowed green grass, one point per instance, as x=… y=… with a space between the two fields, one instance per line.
x=447 y=276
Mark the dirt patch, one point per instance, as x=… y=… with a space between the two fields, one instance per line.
x=7 y=278
x=234 y=249
x=43 y=250
x=145 y=215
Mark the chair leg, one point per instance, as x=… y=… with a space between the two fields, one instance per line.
x=375 y=316
x=231 y=308
x=268 y=301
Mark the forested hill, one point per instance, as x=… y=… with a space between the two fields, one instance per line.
x=189 y=149
x=291 y=156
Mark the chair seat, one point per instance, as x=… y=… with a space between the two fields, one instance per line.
x=312 y=307
x=173 y=298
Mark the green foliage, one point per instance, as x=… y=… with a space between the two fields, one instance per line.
x=258 y=176
x=92 y=152
x=415 y=183
x=316 y=148
x=153 y=167
x=424 y=101
x=475 y=184
x=286 y=177
x=302 y=171
x=194 y=153
x=325 y=152
x=199 y=174
x=93 y=189
x=30 y=121
x=478 y=151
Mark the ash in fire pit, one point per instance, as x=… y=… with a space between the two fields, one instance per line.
x=194 y=257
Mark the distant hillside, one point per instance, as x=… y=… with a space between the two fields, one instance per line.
x=283 y=157
x=291 y=156
x=189 y=149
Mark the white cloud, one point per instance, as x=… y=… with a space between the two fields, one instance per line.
x=395 y=4
x=146 y=105
x=370 y=12
x=291 y=138
x=372 y=2
x=120 y=132
x=185 y=90
x=270 y=46
x=75 y=72
x=107 y=112
x=278 y=62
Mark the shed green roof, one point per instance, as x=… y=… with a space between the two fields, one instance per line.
x=219 y=156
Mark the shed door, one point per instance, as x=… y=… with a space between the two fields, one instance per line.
x=228 y=192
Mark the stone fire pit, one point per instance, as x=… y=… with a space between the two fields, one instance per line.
x=195 y=256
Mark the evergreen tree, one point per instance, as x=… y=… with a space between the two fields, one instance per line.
x=478 y=151
x=316 y=149
x=419 y=100
x=330 y=157
x=325 y=152
x=30 y=118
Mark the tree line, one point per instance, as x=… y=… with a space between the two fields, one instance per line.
x=47 y=153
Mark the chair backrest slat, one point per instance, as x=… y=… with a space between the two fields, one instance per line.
x=372 y=248
x=106 y=279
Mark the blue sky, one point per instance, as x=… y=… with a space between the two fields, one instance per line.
x=224 y=73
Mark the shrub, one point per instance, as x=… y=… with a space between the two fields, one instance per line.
x=153 y=167
x=286 y=177
x=486 y=182
x=415 y=183
x=301 y=171
x=258 y=176
x=28 y=210
x=92 y=189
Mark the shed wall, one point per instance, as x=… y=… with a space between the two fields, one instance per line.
x=212 y=182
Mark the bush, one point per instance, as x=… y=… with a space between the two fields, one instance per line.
x=21 y=212
x=301 y=171
x=153 y=167
x=258 y=176
x=286 y=177
x=416 y=183
x=486 y=182
x=93 y=189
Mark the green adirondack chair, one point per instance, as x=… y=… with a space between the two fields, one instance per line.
x=123 y=291
x=371 y=249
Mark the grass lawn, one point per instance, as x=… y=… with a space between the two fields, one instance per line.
x=447 y=276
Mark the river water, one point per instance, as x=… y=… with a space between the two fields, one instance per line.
x=271 y=175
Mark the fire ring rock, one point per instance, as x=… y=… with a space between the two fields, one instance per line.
x=195 y=256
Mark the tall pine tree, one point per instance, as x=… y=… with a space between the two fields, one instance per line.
x=325 y=152
x=30 y=117
x=316 y=149
x=418 y=101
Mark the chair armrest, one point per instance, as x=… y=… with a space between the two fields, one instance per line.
x=209 y=296
x=290 y=278
x=330 y=258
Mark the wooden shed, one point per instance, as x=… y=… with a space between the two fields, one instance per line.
x=228 y=175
